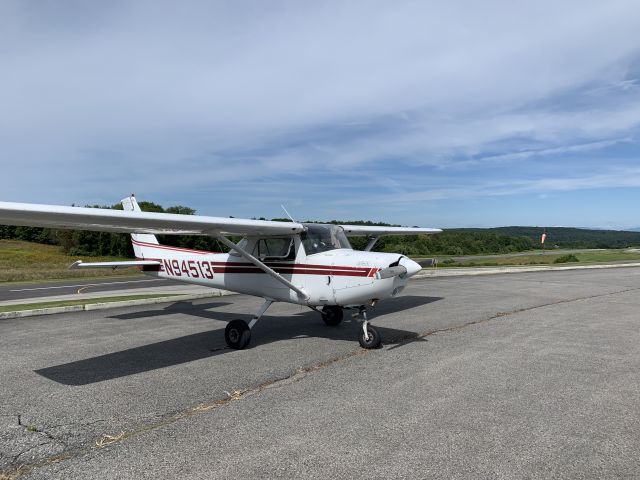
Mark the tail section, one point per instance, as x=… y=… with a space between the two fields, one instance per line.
x=139 y=240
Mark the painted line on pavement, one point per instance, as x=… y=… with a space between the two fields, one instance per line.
x=85 y=285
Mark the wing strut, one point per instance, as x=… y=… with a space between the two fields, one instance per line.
x=372 y=242
x=262 y=266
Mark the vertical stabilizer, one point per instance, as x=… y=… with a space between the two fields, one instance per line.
x=138 y=240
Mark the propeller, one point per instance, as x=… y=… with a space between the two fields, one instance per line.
x=397 y=271
x=393 y=270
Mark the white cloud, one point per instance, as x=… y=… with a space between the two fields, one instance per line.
x=542 y=187
x=169 y=98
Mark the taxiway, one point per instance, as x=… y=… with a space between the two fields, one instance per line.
x=521 y=375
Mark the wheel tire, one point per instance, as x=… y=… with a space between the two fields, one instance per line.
x=375 y=340
x=237 y=334
x=332 y=316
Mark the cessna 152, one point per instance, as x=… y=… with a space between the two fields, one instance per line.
x=306 y=264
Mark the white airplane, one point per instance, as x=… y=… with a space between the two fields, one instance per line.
x=306 y=264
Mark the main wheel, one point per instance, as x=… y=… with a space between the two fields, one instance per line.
x=332 y=316
x=237 y=334
x=374 y=340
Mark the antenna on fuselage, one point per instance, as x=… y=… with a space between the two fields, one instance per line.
x=285 y=211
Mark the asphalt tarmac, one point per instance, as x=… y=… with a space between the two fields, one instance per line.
x=36 y=290
x=530 y=375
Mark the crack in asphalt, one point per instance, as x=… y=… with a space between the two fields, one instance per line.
x=33 y=429
x=297 y=375
x=84 y=424
x=16 y=471
x=27 y=450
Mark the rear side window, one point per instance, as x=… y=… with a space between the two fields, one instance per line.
x=274 y=248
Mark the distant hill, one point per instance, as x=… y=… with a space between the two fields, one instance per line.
x=567 y=237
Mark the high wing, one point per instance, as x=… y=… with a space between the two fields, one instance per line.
x=367 y=231
x=107 y=220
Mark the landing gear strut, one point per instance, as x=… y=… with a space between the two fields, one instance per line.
x=369 y=337
x=237 y=334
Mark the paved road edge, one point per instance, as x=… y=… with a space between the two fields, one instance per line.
x=107 y=305
x=460 y=271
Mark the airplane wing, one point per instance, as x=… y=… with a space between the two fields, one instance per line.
x=108 y=220
x=367 y=231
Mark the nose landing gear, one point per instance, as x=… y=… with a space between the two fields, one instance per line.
x=369 y=337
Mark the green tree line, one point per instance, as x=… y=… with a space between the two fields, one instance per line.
x=568 y=237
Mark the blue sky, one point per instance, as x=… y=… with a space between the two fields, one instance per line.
x=443 y=114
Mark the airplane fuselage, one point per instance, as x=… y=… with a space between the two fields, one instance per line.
x=337 y=277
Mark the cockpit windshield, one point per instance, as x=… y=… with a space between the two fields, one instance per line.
x=322 y=238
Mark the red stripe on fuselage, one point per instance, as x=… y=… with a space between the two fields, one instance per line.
x=275 y=265
x=291 y=268
x=290 y=271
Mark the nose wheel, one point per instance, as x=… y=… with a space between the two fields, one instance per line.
x=369 y=337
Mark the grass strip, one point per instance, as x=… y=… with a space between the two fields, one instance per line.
x=583 y=258
x=26 y=261
x=86 y=301
x=121 y=276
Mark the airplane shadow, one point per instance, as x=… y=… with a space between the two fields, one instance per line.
x=183 y=307
x=211 y=343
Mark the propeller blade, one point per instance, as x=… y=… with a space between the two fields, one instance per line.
x=389 y=272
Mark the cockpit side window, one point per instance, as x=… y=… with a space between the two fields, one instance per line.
x=322 y=238
x=274 y=248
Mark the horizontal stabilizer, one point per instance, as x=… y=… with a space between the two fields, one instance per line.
x=114 y=265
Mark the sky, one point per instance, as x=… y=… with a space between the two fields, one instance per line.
x=437 y=114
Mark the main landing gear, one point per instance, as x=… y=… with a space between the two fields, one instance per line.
x=237 y=334
x=332 y=315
